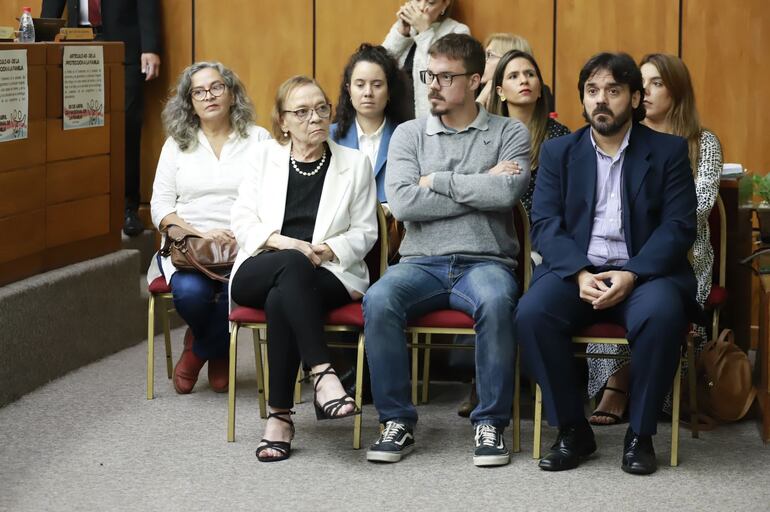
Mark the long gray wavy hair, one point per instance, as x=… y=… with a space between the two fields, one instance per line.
x=179 y=118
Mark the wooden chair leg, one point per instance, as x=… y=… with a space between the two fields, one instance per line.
x=231 y=384
x=255 y=334
x=415 y=356
x=675 y=416
x=359 y=391
x=426 y=370
x=537 y=422
x=151 y=347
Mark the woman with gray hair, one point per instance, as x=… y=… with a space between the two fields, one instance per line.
x=209 y=120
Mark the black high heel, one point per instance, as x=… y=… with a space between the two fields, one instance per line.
x=329 y=410
x=283 y=447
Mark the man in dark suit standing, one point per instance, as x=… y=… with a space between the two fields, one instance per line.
x=137 y=24
x=613 y=217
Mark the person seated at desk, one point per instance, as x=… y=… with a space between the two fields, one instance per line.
x=305 y=218
x=613 y=217
x=669 y=102
x=209 y=120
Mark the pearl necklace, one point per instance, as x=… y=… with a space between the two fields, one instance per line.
x=312 y=173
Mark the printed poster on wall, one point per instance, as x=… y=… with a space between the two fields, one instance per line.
x=14 y=95
x=83 y=87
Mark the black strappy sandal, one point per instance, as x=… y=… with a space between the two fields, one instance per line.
x=283 y=447
x=329 y=410
x=616 y=420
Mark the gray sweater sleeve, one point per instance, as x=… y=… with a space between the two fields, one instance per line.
x=407 y=200
x=491 y=193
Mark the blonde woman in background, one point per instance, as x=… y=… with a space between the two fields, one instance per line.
x=497 y=45
x=418 y=24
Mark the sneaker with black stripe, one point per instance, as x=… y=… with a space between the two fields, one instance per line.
x=395 y=441
x=490 y=447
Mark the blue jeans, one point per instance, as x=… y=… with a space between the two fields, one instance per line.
x=484 y=289
x=204 y=305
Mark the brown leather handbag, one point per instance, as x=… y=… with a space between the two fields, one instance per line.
x=724 y=382
x=192 y=252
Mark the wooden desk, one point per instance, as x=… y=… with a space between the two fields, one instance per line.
x=61 y=192
x=762 y=364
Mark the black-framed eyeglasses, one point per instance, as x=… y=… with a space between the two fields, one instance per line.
x=302 y=114
x=216 y=90
x=444 y=79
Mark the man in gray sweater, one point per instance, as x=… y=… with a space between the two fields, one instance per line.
x=454 y=179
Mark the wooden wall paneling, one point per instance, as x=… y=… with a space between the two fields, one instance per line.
x=341 y=26
x=531 y=19
x=11 y=9
x=77 y=220
x=725 y=47
x=177 y=31
x=117 y=174
x=65 y=144
x=262 y=43
x=23 y=235
x=77 y=179
x=22 y=190
x=587 y=27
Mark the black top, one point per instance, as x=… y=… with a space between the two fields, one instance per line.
x=302 y=198
x=552 y=130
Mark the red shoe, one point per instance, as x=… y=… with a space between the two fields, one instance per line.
x=188 y=367
x=219 y=374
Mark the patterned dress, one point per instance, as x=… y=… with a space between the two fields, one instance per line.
x=706 y=189
x=552 y=130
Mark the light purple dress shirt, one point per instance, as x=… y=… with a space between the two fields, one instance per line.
x=608 y=240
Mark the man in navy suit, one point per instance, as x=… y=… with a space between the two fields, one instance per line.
x=613 y=217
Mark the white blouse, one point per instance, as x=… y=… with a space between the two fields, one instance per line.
x=198 y=186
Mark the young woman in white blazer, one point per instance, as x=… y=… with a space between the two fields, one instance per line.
x=304 y=221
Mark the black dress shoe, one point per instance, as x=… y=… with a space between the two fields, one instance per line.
x=572 y=444
x=132 y=224
x=638 y=454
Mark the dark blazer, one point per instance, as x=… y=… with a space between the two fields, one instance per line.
x=135 y=22
x=350 y=140
x=658 y=207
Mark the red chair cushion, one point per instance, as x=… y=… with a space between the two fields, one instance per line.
x=444 y=318
x=246 y=315
x=603 y=330
x=717 y=297
x=158 y=285
x=349 y=314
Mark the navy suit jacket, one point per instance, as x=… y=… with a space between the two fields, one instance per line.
x=351 y=140
x=658 y=207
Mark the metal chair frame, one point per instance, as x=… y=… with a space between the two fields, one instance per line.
x=428 y=345
x=164 y=300
x=260 y=360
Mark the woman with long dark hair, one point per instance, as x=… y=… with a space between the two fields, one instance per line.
x=371 y=104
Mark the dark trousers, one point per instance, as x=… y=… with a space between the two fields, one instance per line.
x=295 y=296
x=203 y=304
x=551 y=312
x=134 y=109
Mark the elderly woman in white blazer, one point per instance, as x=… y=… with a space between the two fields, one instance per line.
x=304 y=220
x=419 y=23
